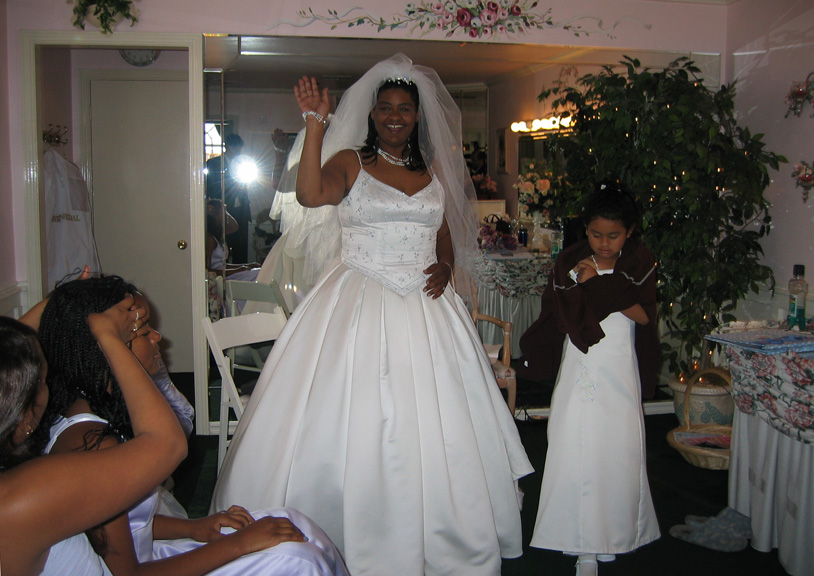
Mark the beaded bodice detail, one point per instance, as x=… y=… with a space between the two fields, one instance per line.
x=388 y=235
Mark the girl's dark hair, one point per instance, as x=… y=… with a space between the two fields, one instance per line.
x=415 y=161
x=21 y=368
x=77 y=365
x=612 y=201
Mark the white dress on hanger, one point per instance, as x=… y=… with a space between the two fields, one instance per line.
x=595 y=497
x=377 y=413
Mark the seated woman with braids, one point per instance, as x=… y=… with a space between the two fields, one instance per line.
x=142 y=541
x=46 y=503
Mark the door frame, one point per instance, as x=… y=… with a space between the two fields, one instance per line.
x=31 y=141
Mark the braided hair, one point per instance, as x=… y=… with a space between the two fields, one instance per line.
x=78 y=365
x=414 y=160
x=21 y=370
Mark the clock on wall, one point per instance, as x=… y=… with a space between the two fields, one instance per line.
x=140 y=57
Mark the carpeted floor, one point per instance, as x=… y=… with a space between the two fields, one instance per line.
x=678 y=489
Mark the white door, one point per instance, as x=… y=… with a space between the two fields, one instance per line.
x=139 y=179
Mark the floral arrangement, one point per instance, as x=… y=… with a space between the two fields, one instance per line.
x=799 y=94
x=534 y=190
x=803 y=175
x=475 y=18
x=485 y=187
x=493 y=239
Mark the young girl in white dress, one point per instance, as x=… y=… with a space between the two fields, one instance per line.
x=595 y=500
x=377 y=412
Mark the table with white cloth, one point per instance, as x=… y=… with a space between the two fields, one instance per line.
x=510 y=284
x=771 y=471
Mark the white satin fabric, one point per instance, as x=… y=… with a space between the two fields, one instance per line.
x=377 y=413
x=595 y=497
x=73 y=556
x=316 y=557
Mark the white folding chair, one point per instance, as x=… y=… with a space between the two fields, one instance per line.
x=270 y=298
x=254 y=292
x=228 y=333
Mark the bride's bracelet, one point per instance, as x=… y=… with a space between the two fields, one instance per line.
x=316 y=115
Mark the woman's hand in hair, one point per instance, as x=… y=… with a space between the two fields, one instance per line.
x=120 y=319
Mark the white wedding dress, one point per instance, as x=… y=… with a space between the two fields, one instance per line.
x=595 y=497
x=377 y=413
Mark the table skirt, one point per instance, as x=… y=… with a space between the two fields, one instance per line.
x=771 y=480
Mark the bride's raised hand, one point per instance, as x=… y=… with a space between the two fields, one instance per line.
x=310 y=98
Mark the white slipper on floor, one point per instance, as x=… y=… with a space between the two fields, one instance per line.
x=606 y=557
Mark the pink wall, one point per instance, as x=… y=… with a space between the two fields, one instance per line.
x=624 y=24
x=771 y=44
x=7 y=252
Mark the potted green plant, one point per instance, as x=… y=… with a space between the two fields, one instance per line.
x=700 y=178
x=104 y=14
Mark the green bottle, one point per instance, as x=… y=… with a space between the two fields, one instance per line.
x=798 y=289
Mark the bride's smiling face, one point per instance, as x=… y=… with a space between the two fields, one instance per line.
x=394 y=116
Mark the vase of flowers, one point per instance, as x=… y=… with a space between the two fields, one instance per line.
x=535 y=193
x=497 y=238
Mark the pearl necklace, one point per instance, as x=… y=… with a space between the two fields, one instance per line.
x=390 y=158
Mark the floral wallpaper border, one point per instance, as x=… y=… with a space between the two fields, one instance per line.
x=477 y=19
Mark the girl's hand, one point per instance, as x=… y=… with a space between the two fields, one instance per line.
x=585 y=270
x=310 y=99
x=267 y=532
x=208 y=528
x=121 y=319
x=440 y=275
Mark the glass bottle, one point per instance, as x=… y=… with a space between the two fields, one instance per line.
x=798 y=289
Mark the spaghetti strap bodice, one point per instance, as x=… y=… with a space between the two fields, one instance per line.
x=388 y=235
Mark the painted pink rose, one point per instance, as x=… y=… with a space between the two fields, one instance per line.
x=486 y=33
x=516 y=10
x=492 y=6
x=447 y=19
x=438 y=8
x=488 y=17
x=502 y=13
x=473 y=32
x=464 y=17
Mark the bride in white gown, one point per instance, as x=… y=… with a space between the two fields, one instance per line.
x=377 y=413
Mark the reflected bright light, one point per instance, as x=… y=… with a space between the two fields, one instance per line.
x=245 y=169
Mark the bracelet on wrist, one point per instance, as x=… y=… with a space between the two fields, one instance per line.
x=316 y=115
x=280 y=150
x=448 y=266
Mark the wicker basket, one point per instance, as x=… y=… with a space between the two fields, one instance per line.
x=702 y=456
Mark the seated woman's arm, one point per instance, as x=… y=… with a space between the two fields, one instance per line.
x=49 y=499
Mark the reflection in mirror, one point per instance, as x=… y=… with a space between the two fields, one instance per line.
x=251 y=95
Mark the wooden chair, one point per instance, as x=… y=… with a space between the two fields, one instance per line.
x=228 y=333
x=500 y=355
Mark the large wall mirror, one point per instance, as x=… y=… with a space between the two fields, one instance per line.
x=248 y=83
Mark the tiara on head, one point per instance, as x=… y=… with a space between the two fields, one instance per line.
x=398 y=80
